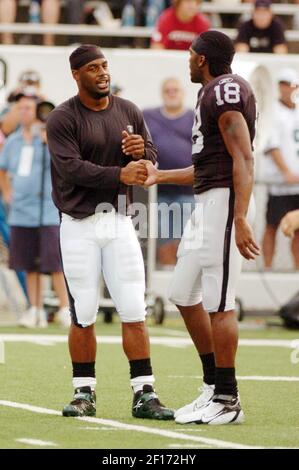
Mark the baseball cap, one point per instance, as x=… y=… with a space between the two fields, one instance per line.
x=263 y=4
x=29 y=76
x=288 y=75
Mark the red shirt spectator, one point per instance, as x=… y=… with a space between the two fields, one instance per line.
x=179 y=25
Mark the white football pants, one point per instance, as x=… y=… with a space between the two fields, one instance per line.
x=104 y=242
x=208 y=260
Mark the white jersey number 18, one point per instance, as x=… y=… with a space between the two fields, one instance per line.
x=227 y=93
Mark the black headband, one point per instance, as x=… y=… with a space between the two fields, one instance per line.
x=85 y=54
x=214 y=45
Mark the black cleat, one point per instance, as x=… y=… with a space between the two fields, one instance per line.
x=83 y=404
x=146 y=405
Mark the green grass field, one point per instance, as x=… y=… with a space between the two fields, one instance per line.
x=37 y=372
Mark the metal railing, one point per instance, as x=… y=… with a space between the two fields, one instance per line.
x=103 y=31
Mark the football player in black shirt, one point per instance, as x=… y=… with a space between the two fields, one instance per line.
x=94 y=163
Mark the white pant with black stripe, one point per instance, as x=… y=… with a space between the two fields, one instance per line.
x=105 y=242
x=208 y=260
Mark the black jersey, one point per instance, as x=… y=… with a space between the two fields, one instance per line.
x=213 y=165
x=86 y=152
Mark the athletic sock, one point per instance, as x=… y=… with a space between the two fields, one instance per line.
x=141 y=374
x=84 y=375
x=209 y=368
x=226 y=383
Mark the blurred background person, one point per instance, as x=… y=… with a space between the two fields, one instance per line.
x=5 y=235
x=263 y=32
x=34 y=242
x=178 y=25
x=74 y=15
x=282 y=164
x=29 y=83
x=171 y=128
x=8 y=12
x=45 y=11
x=74 y=11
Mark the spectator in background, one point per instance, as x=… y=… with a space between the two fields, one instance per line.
x=179 y=25
x=74 y=15
x=74 y=11
x=263 y=32
x=5 y=235
x=171 y=128
x=8 y=12
x=296 y=17
x=48 y=11
x=29 y=83
x=34 y=220
x=282 y=165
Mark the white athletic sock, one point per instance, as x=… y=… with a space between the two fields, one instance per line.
x=138 y=382
x=79 y=382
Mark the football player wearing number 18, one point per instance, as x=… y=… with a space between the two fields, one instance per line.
x=209 y=263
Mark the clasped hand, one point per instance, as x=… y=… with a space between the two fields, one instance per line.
x=141 y=173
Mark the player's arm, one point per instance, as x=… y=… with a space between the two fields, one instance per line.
x=184 y=176
x=235 y=134
x=66 y=158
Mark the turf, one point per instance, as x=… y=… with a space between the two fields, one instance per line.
x=39 y=375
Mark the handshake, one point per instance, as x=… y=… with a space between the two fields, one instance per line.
x=141 y=173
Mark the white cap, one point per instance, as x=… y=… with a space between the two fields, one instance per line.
x=288 y=75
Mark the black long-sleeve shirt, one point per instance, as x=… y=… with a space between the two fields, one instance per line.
x=86 y=152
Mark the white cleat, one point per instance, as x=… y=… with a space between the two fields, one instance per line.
x=42 y=321
x=192 y=412
x=64 y=317
x=29 y=318
x=223 y=409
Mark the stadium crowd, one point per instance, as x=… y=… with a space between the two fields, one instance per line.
x=174 y=22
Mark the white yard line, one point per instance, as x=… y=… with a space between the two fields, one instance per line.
x=36 y=442
x=131 y=427
x=49 y=340
x=168 y=331
x=261 y=378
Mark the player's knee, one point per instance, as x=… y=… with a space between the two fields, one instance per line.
x=180 y=296
x=212 y=289
x=132 y=316
x=77 y=323
x=133 y=310
x=85 y=310
x=174 y=293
